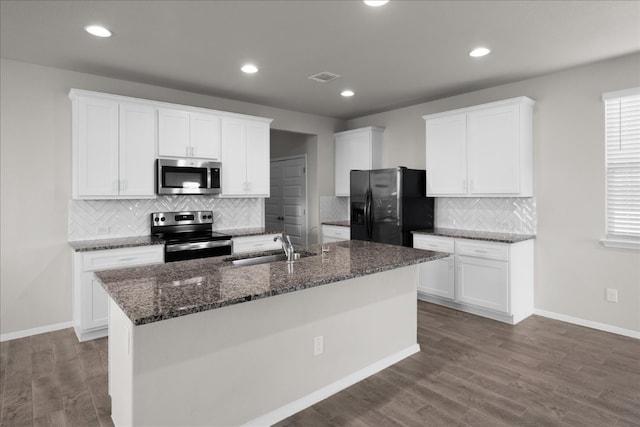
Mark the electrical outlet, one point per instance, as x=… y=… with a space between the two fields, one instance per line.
x=612 y=295
x=318 y=345
x=102 y=230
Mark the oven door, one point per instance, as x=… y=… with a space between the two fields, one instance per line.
x=194 y=250
x=185 y=176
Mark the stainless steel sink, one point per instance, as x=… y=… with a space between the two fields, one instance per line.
x=264 y=259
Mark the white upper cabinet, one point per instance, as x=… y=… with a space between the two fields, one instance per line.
x=183 y=133
x=114 y=148
x=245 y=153
x=116 y=140
x=137 y=150
x=447 y=155
x=356 y=149
x=481 y=151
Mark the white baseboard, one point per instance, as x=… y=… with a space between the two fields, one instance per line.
x=331 y=389
x=588 y=323
x=35 y=331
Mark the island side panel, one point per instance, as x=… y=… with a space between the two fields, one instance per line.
x=232 y=365
x=120 y=366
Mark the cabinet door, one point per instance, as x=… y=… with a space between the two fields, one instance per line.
x=173 y=133
x=97 y=150
x=234 y=153
x=437 y=278
x=494 y=150
x=260 y=243
x=482 y=283
x=96 y=302
x=205 y=136
x=352 y=151
x=137 y=149
x=446 y=150
x=258 y=162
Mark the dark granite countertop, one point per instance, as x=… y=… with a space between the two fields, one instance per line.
x=342 y=223
x=153 y=293
x=489 y=236
x=114 y=243
x=130 y=242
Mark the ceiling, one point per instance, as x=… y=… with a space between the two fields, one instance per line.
x=392 y=56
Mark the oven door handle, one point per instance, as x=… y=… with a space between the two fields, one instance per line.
x=197 y=245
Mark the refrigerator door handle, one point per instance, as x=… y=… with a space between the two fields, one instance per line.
x=369 y=214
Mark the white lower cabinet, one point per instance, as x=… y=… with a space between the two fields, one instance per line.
x=261 y=243
x=90 y=301
x=489 y=279
x=335 y=233
x=483 y=283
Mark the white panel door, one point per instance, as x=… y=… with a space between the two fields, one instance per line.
x=137 y=149
x=258 y=167
x=482 y=282
x=205 y=136
x=234 y=155
x=446 y=150
x=285 y=209
x=494 y=150
x=273 y=205
x=97 y=147
x=173 y=133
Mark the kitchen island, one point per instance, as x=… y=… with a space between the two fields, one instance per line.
x=203 y=342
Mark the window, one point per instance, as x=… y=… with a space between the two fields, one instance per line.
x=622 y=146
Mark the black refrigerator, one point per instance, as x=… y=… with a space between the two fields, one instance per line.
x=387 y=204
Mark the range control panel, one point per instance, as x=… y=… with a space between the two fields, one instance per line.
x=159 y=219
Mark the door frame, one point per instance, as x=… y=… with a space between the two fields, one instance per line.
x=306 y=188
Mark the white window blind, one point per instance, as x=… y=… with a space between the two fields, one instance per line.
x=622 y=140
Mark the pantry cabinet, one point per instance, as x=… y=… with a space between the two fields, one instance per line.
x=90 y=300
x=481 y=151
x=489 y=279
x=113 y=148
x=245 y=153
x=188 y=134
x=356 y=149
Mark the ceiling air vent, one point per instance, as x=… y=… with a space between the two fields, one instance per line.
x=324 y=77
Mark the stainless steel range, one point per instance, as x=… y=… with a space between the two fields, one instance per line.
x=189 y=235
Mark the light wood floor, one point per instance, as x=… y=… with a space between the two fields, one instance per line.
x=471 y=371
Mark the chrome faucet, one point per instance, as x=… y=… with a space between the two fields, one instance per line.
x=287 y=246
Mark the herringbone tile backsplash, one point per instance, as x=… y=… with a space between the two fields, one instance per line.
x=98 y=219
x=501 y=214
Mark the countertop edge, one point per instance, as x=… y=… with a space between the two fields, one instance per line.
x=487 y=236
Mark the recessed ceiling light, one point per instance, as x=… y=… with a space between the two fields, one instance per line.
x=375 y=3
x=249 y=69
x=479 y=51
x=98 y=31
x=347 y=93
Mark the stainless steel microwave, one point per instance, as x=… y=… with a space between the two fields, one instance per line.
x=187 y=176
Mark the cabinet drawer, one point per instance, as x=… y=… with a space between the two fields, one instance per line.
x=433 y=243
x=336 y=232
x=125 y=257
x=482 y=250
x=255 y=243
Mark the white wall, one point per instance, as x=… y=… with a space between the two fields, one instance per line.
x=572 y=269
x=35 y=151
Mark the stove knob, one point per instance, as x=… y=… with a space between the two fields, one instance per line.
x=156 y=219
x=162 y=219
